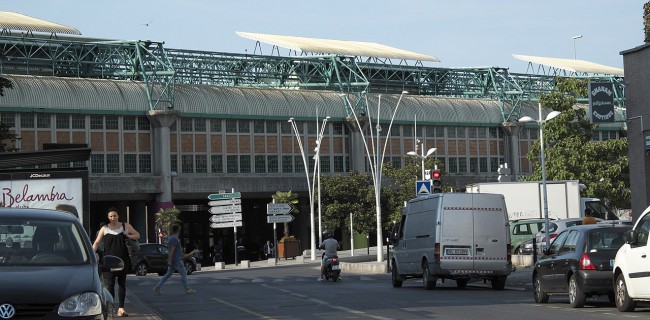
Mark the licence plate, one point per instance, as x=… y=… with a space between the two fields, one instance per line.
x=611 y=263
x=456 y=251
x=335 y=267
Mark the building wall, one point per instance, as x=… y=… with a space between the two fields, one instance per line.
x=637 y=80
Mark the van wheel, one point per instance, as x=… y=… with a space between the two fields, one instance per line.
x=498 y=283
x=461 y=283
x=623 y=301
x=428 y=281
x=576 y=296
x=540 y=295
x=395 y=277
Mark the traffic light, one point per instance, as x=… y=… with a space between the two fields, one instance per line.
x=436 y=182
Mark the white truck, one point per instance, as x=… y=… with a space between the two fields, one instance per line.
x=524 y=199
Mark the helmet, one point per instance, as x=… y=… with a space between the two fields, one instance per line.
x=328 y=234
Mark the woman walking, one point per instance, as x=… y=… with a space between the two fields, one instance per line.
x=114 y=236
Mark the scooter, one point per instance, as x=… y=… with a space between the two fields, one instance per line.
x=332 y=269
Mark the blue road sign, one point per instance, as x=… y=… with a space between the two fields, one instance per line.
x=422 y=188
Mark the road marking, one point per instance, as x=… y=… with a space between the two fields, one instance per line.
x=329 y=305
x=251 y=312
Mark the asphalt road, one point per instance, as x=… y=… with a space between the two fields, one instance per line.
x=292 y=292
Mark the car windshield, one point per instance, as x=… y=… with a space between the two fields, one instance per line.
x=41 y=243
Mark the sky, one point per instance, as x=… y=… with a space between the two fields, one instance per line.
x=461 y=33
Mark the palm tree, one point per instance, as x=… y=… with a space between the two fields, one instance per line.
x=286 y=197
x=166 y=218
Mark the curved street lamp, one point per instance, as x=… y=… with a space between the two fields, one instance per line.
x=540 y=123
x=375 y=157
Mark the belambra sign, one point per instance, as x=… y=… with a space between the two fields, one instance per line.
x=62 y=190
x=601 y=102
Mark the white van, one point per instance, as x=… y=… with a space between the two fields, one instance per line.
x=453 y=236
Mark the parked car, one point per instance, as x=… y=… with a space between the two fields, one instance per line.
x=152 y=257
x=579 y=263
x=556 y=227
x=526 y=247
x=51 y=271
x=631 y=267
x=523 y=230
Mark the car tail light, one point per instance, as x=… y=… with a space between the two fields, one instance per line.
x=436 y=252
x=585 y=263
x=334 y=259
x=553 y=235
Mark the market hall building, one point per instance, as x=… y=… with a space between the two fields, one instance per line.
x=171 y=126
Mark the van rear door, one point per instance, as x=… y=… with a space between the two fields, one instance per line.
x=491 y=235
x=474 y=234
x=457 y=232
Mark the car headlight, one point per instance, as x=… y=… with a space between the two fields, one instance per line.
x=85 y=304
x=528 y=245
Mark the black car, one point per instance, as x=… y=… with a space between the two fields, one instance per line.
x=50 y=270
x=579 y=263
x=152 y=257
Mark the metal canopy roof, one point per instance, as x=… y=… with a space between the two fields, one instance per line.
x=342 y=47
x=17 y=21
x=579 y=66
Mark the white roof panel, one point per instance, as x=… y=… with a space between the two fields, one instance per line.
x=342 y=47
x=580 y=66
x=17 y=21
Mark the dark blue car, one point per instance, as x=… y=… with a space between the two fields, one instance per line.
x=50 y=270
x=579 y=263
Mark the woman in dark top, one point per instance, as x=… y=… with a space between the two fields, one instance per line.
x=114 y=236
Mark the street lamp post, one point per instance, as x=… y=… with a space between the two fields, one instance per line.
x=540 y=123
x=317 y=159
x=376 y=158
x=310 y=189
x=574 y=45
x=423 y=156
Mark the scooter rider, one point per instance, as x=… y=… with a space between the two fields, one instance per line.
x=330 y=245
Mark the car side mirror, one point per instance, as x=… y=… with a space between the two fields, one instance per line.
x=630 y=237
x=111 y=264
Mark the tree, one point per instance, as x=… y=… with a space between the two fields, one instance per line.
x=166 y=218
x=286 y=197
x=345 y=194
x=7 y=138
x=602 y=166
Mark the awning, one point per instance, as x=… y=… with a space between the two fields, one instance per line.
x=17 y=21
x=580 y=66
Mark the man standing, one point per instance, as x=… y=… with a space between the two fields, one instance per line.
x=268 y=249
x=175 y=262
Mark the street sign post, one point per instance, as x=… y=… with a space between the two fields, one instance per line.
x=279 y=218
x=226 y=224
x=226 y=217
x=218 y=196
x=225 y=202
x=225 y=209
x=278 y=208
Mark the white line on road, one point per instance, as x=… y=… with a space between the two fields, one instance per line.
x=251 y=312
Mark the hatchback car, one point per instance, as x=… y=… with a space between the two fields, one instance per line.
x=152 y=257
x=631 y=276
x=579 y=263
x=522 y=231
x=51 y=270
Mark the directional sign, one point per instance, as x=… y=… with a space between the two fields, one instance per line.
x=226 y=217
x=279 y=208
x=226 y=224
x=279 y=218
x=225 y=209
x=225 y=202
x=217 y=196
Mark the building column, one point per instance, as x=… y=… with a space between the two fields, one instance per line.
x=357 y=151
x=161 y=121
x=512 y=152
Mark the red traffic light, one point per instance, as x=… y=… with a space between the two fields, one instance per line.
x=435 y=175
